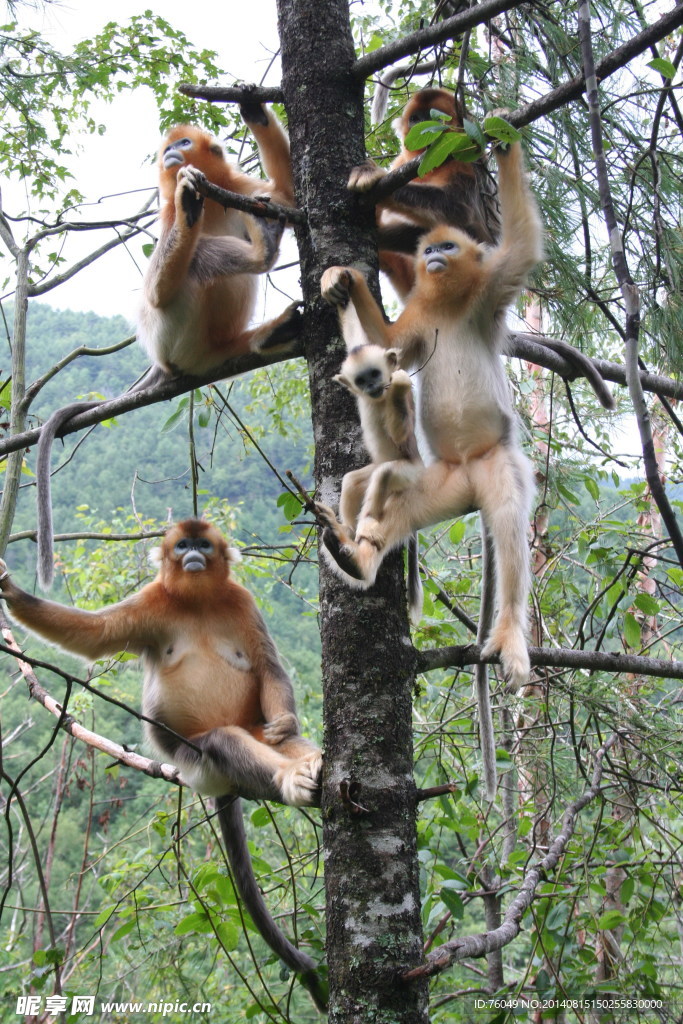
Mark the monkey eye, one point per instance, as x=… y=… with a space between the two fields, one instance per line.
x=181 y=545
x=205 y=545
x=179 y=144
x=428 y=250
x=448 y=246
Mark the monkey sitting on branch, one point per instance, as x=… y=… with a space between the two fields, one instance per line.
x=200 y=286
x=218 y=701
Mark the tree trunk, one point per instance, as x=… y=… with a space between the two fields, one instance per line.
x=371 y=867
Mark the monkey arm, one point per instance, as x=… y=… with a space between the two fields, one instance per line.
x=224 y=256
x=273 y=147
x=401 y=415
x=172 y=258
x=338 y=284
x=521 y=242
x=93 y=635
x=276 y=692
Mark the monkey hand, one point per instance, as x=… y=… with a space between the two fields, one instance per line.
x=363 y=177
x=188 y=201
x=251 y=109
x=280 y=728
x=299 y=781
x=335 y=285
x=7 y=589
x=400 y=380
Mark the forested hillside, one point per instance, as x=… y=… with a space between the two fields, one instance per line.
x=138 y=468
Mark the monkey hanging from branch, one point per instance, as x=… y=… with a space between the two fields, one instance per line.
x=384 y=396
x=450 y=336
x=221 y=703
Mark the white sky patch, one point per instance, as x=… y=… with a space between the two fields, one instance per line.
x=245 y=37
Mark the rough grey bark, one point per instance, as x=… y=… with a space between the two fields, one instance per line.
x=371 y=867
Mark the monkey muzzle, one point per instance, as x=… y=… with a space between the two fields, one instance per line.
x=435 y=262
x=173 y=158
x=194 y=561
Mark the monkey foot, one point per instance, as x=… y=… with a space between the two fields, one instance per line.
x=341 y=556
x=514 y=656
x=286 y=330
x=299 y=781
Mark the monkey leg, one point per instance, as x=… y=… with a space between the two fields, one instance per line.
x=353 y=488
x=504 y=491
x=281 y=332
x=234 y=762
x=402 y=497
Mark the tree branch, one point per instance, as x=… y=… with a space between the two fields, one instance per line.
x=258 y=207
x=155 y=769
x=480 y=945
x=442 y=30
x=629 y=289
x=232 y=93
x=553 y=657
x=160 y=391
x=553 y=100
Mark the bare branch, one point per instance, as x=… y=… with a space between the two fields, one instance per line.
x=532 y=347
x=88 y=535
x=232 y=93
x=155 y=769
x=442 y=30
x=629 y=289
x=160 y=391
x=480 y=945
x=554 y=657
x=258 y=207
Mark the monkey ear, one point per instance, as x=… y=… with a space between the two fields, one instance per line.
x=393 y=357
x=154 y=558
x=233 y=556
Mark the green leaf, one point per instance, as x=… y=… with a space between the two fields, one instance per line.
x=290 y=505
x=647 y=604
x=229 y=935
x=457 y=531
x=453 y=902
x=631 y=631
x=626 y=891
x=665 y=67
x=500 y=129
x=591 y=487
x=475 y=133
x=422 y=135
x=611 y=919
x=260 y=817
x=123 y=930
x=197 y=922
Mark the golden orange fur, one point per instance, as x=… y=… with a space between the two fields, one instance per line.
x=200 y=287
x=449 y=194
x=451 y=335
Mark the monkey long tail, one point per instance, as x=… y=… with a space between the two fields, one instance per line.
x=45 y=538
x=487 y=739
x=234 y=837
x=415 y=592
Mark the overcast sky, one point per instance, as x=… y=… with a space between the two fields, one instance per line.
x=245 y=37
